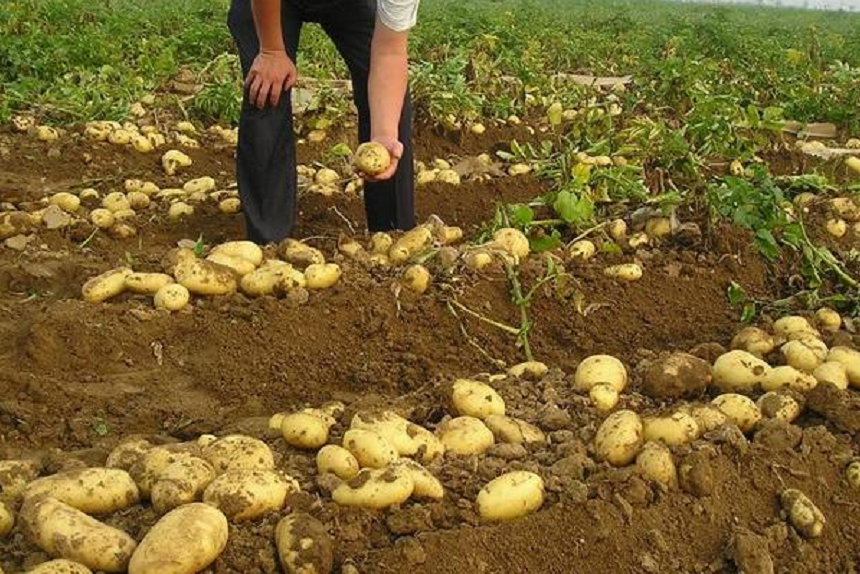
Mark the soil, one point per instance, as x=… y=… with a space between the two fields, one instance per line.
x=77 y=378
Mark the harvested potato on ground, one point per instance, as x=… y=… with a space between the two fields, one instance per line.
x=173 y=297
x=392 y=427
x=448 y=177
x=582 y=250
x=530 y=370
x=116 y=201
x=416 y=278
x=673 y=430
x=173 y=160
x=204 y=184
x=708 y=417
x=14 y=477
x=304 y=545
x=655 y=463
x=91 y=490
x=658 y=227
x=248 y=494
x=519 y=169
x=776 y=405
x=375 y=489
x=147 y=283
x=833 y=373
x=513 y=242
x=186 y=540
x=600 y=369
x=802 y=512
x=794 y=327
x=105 y=286
x=513 y=431
x=850 y=359
x=60 y=567
x=429 y=446
x=7 y=520
x=239 y=266
x=183 y=482
x=476 y=399
x=512 y=495
x=755 y=341
x=126 y=454
x=786 y=377
x=273 y=277
x=477 y=260
x=381 y=242
x=247 y=250
x=327 y=176
x=448 y=235
x=425 y=485
x=148 y=469
x=338 y=461
x=676 y=375
x=625 y=272
x=203 y=277
x=179 y=210
x=852 y=474
x=230 y=205
x=804 y=353
x=66 y=201
x=322 y=276
x=828 y=319
x=466 y=436
x=65 y=532
x=739 y=371
x=238 y=452
x=410 y=244
x=305 y=430
x=371 y=158
x=740 y=410
x=299 y=254
x=369 y=448
x=619 y=439
x=138 y=200
x=604 y=397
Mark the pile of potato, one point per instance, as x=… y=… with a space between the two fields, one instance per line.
x=231 y=266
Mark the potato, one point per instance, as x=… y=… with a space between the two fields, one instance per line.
x=604 y=397
x=658 y=227
x=466 y=436
x=429 y=446
x=476 y=399
x=845 y=208
x=375 y=488
x=142 y=144
x=105 y=286
x=513 y=431
x=755 y=341
x=123 y=215
x=149 y=468
x=416 y=278
x=230 y=205
x=775 y=405
x=186 y=540
x=655 y=463
x=138 y=201
x=707 y=417
x=519 y=169
x=238 y=452
x=239 y=266
x=794 y=327
x=147 y=283
x=850 y=359
x=89 y=195
x=126 y=454
x=638 y=240
x=179 y=210
x=327 y=177
x=120 y=137
x=47 y=134
x=424 y=177
x=182 y=482
x=852 y=474
x=7 y=520
x=512 y=495
x=272 y=277
x=426 y=486
x=828 y=319
x=173 y=160
x=625 y=272
x=600 y=369
x=60 y=567
x=787 y=377
x=381 y=242
x=617 y=229
x=833 y=373
x=533 y=370
x=619 y=439
x=116 y=201
x=304 y=545
x=203 y=277
x=248 y=494
x=513 y=242
x=322 y=276
x=740 y=410
x=66 y=201
x=204 y=184
x=448 y=177
x=65 y=532
x=582 y=250
x=369 y=448
x=410 y=244
x=739 y=371
x=477 y=260
x=448 y=235
x=392 y=427
x=673 y=430
x=836 y=227
x=351 y=248
x=91 y=490
x=802 y=512
x=173 y=297
x=338 y=461
x=805 y=353
x=299 y=254
x=371 y=158
x=305 y=430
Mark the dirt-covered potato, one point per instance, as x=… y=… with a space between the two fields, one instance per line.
x=116 y=201
x=147 y=470
x=655 y=463
x=102 y=218
x=239 y=266
x=305 y=430
x=600 y=369
x=676 y=375
x=371 y=159
x=138 y=201
x=425 y=485
x=173 y=160
x=513 y=431
x=755 y=341
x=7 y=520
x=392 y=427
x=429 y=446
x=619 y=439
x=203 y=277
x=513 y=242
x=230 y=205
x=203 y=184
x=448 y=235
x=300 y=254
x=105 y=286
x=532 y=370
x=273 y=277
x=604 y=397
x=381 y=242
x=66 y=201
x=777 y=405
x=15 y=475
x=624 y=272
x=186 y=540
x=304 y=545
x=852 y=474
x=708 y=417
x=173 y=297
x=739 y=371
x=828 y=319
x=147 y=283
x=127 y=453
x=375 y=488
x=183 y=482
x=466 y=436
x=179 y=210
x=740 y=410
x=833 y=373
x=787 y=377
x=322 y=276
x=673 y=430
x=60 y=566
x=248 y=494
x=850 y=359
x=65 y=532
x=338 y=461
x=410 y=244
x=582 y=250
x=239 y=452
x=802 y=513
x=512 y=495
x=416 y=278
x=794 y=327
x=91 y=490
x=476 y=399
x=804 y=353
x=369 y=448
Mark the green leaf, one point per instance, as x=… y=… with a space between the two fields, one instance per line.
x=749 y=313
x=767 y=244
x=521 y=215
x=737 y=294
x=555 y=114
x=573 y=209
x=611 y=248
x=545 y=242
x=340 y=150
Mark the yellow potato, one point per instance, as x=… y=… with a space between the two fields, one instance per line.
x=425 y=485
x=272 y=277
x=852 y=474
x=582 y=250
x=322 y=276
x=375 y=489
x=249 y=494
x=604 y=397
x=775 y=405
x=15 y=475
x=739 y=371
x=416 y=278
x=183 y=482
x=740 y=410
x=512 y=495
x=381 y=242
x=787 y=377
x=673 y=430
x=116 y=201
x=448 y=177
x=7 y=520
x=850 y=359
x=199 y=185
x=338 y=461
x=186 y=540
x=327 y=176
x=836 y=227
x=89 y=195
x=173 y=297
x=147 y=283
x=173 y=160
x=476 y=399
x=240 y=267
x=299 y=254
x=617 y=229
x=203 y=277
x=519 y=169
x=658 y=227
x=804 y=353
x=655 y=463
x=447 y=235
x=392 y=427
x=60 y=567
x=828 y=319
x=179 y=210
x=708 y=417
x=429 y=446
x=304 y=545
x=600 y=369
x=66 y=201
x=305 y=430
x=515 y=431
x=148 y=469
x=513 y=242
x=65 y=532
x=91 y=490
x=466 y=436
x=142 y=144
x=410 y=244
x=625 y=272
x=802 y=512
x=238 y=452
x=230 y=205
x=755 y=341
x=425 y=176
x=833 y=373
x=120 y=137
x=369 y=448
x=105 y=286
x=529 y=369
x=619 y=439
x=126 y=454
x=794 y=327
x=371 y=158
x=124 y=214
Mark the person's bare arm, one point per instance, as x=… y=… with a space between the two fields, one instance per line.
x=273 y=72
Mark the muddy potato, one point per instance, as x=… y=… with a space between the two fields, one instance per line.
x=604 y=397
x=138 y=201
x=116 y=201
x=247 y=250
x=833 y=373
x=850 y=359
x=619 y=439
x=802 y=513
x=183 y=482
x=380 y=242
x=186 y=540
x=91 y=490
x=776 y=405
x=512 y=495
x=147 y=283
x=304 y=545
x=410 y=244
x=272 y=277
x=448 y=177
x=173 y=297
x=102 y=218
x=238 y=452
x=105 y=286
x=477 y=260
x=794 y=327
x=147 y=470
x=127 y=453
x=230 y=205
x=739 y=371
x=828 y=319
x=600 y=369
x=392 y=427
x=617 y=229
x=513 y=431
x=416 y=278
x=533 y=370
x=638 y=240
x=582 y=250
x=625 y=272
x=466 y=435
x=248 y=494
x=707 y=417
x=239 y=266
x=7 y=520
x=322 y=276
x=369 y=448
x=173 y=160
x=60 y=567
x=655 y=463
x=787 y=377
x=429 y=446
x=179 y=210
x=65 y=532
x=852 y=474
x=519 y=169
x=740 y=410
x=204 y=184
x=658 y=227
x=513 y=242
x=476 y=399
x=755 y=341
x=371 y=158
x=338 y=461
x=14 y=477
x=299 y=254
x=375 y=489
x=66 y=201
x=448 y=235
x=203 y=277
x=305 y=430
x=425 y=485
x=805 y=353
x=673 y=430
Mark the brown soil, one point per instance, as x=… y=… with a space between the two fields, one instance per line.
x=75 y=378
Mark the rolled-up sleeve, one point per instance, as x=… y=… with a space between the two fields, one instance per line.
x=398 y=15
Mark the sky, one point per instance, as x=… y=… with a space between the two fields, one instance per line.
x=853 y=5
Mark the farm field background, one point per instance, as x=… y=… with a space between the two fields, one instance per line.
x=677 y=179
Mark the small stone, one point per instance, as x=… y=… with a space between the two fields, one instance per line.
x=506 y=451
x=750 y=553
x=18 y=242
x=554 y=418
x=296 y=297
x=56 y=218
x=53 y=153
x=412 y=550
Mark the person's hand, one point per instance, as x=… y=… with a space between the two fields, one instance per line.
x=272 y=74
x=395 y=152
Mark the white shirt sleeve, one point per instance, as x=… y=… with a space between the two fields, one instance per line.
x=398 y=15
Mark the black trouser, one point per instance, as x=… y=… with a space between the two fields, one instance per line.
x=266 y=154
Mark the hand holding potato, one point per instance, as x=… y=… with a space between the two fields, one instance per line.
x=377 y=160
